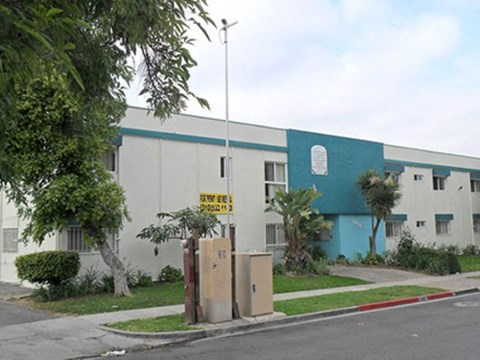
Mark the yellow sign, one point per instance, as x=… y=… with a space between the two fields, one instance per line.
x=215 y=203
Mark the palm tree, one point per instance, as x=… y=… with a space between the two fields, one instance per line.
x=300 y=221
x=381 y=196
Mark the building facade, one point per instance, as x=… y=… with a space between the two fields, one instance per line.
x=181 y=163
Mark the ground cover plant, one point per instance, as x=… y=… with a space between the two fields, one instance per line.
x=469 y=263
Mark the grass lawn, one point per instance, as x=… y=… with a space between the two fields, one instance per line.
x=351 y=298
x=171 y=294
x=285 y=283
x=289 y=307
x=469 y=263
x=157 y=295
x=158 y=324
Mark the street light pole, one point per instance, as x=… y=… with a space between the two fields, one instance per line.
x=225 y=28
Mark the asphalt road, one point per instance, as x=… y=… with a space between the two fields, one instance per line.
x=447 y=329
x=12 y=314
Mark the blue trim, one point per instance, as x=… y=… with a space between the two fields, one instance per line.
x=394 y=167
x=398 y=217
x=441 y=172
x=476 y=216
x=475 y=175
x=443 y=217
x=437 y=168
x=200 y=139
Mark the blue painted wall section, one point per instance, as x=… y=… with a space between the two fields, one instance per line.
x=347 y=159
x=342 y=201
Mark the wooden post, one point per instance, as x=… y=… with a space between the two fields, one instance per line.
x=191 y=264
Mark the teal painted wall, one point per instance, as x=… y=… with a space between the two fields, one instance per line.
x=350 y=236
x=347 y=159
x=354 y=233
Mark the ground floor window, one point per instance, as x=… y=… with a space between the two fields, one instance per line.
x=75 y=240
x=275 y=240
x=442 y=227
x=323 y=235
x=476 y=226
x=393 y=229
x=10 y=240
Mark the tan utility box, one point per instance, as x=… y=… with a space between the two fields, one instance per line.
x=254 y=283
x=216 y=279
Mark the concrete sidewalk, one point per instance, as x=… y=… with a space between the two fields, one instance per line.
x=83 y=337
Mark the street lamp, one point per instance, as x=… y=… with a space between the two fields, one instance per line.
x=225 y=28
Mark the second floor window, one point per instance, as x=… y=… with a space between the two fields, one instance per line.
x=275 y=179
x=438 y=183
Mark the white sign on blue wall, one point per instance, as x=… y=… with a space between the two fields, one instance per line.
x=319 y=160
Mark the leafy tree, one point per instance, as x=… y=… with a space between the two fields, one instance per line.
x=62 y=66
x=178 y=224
x=381 y=195
x=300 y=222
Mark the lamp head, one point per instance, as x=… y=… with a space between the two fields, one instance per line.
x=224 y=22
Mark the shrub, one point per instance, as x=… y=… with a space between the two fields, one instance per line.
x=143 y=279
x=319 y=267
x=48 y=267
x=171 y=274
x=470 y=250
x=318 y=253
x=341 y=259
x=453 y=264
x=279 y=269
x=108 y=284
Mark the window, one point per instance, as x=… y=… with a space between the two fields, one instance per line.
x=223 y=167
x=323 y=235
x=442 y=227
x=75 y=240
x=438 y=183
x=275 y=234
x=275 y=240
x=475 y=185
x=275 y=179
x=393 y=229
x=10 y=240
x=109 y=159
x=421 y=223
x=392 y=175
x=418 y=177
x=476 y=226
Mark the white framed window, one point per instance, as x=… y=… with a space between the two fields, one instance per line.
x=475 y=185
x=275 y=234
x=10 y=240
x=275 y=179
x=223 y=167
x=275 y=241
x=418 y=177
x=421 y=224
x=439 y=183
x=393 y=229
x=442 y=227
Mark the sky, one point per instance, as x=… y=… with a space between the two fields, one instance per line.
x=399 y=72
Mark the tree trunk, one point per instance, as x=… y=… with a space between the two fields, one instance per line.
x=373 y=239
x=117 y=268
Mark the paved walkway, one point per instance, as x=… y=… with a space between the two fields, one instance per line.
x=82 y=337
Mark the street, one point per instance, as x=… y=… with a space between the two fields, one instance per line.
x=448 y=329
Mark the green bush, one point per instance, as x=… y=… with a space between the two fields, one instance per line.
x=171 y=274
x=453 y=264
x=319 y=267
x=279 y=269
x=318 y=253
x=470 y=250
x=48 y=267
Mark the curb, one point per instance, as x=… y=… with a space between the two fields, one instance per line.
x=185 y=336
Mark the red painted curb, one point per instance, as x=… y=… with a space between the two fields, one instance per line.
x=440 y=295
x=387 y=303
